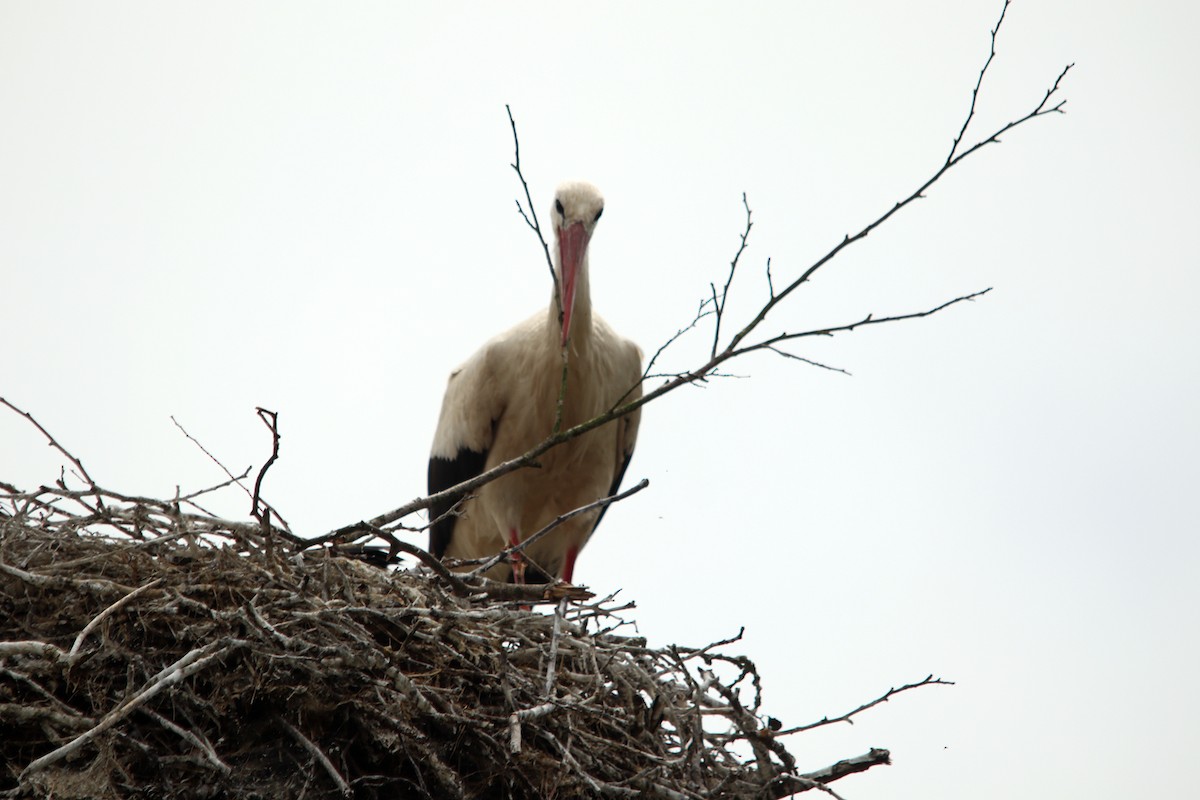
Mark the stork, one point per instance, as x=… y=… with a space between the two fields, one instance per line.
x=503 y=401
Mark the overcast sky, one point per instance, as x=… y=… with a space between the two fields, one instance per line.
x=209 y=207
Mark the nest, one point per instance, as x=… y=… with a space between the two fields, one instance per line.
x=150 y=649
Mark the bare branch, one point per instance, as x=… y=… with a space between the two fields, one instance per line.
x=73 y=654
x=467 y=584
x=257 y=510
x=703 y=311
x=809 y=361
x=260 y=509
x=847 y=717
x=214 y=459
x=318 y=756
x=786 y=785
x=699 y=374
x=396 y=545
x=44 y=650
x=868 y=320
x=552 y=658
x=532 y=219
x=975 y=92
x=559 y=520
x=195 y=740
x=719 y=305
x=190 y=664
x=1040 y=110
x=849 y=766
x=83 y=473
x=233 y=479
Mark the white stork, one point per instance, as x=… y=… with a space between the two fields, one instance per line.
x=502 y=402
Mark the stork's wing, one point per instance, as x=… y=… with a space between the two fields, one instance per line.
x=444 y=473
x=465 y=432
x=627 y=426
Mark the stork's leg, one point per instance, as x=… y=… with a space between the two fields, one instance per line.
x=517 y=559
x=569 y=563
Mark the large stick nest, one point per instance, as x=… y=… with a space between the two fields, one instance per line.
x=147 y=650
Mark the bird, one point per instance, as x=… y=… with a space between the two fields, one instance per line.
x=503 y=401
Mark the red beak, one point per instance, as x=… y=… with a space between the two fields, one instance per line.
x=572 y=244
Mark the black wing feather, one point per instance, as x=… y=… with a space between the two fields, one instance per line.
x=444 y=473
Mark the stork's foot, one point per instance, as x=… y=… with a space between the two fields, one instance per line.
x=568 y=568
x=516 y=559
x=518 y=569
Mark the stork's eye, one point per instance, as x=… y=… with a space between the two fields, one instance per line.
x=558 y=207
x=598 y=213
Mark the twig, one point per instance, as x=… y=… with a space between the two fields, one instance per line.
x=105 y=614
x=559 y=520
x=17 y=712
x=748 y=726
x=808 y=361
x=870 y=319
x=59 y=582
x=191 y=496
x=185 y=667
x=214 y=459
x=559 y=403
x=424 y=556
x=975 y=92
x=83 y=473
x=849 y=766
x=719 y=304
x=44 y=650
x=532 y=219
x=471 y=584
x=702 y=312
x=552 y=658
x=319 y=756
x=195 y=740
x=260 y=509
x=890 y=693
x=517 y=717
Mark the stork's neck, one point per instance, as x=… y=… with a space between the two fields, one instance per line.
x=581 y=316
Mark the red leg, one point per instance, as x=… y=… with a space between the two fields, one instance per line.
x=518 y=563
x=569 y=563
x=517 y=559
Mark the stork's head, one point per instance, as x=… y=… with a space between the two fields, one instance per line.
x=577 y=208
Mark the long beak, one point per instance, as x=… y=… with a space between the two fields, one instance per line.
x=572 y=244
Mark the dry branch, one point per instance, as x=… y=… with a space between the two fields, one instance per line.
x=742 y=342
x=888 y=695
x=184 y=662
x=387 y=681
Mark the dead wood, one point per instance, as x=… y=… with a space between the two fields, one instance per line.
x=149 y=649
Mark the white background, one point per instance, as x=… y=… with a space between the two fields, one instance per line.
x=308 y=207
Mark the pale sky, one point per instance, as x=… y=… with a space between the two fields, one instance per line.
x=209 y=207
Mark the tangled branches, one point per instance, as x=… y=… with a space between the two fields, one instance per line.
x=147 y=648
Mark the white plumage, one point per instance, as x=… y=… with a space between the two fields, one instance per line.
x=503 y=400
